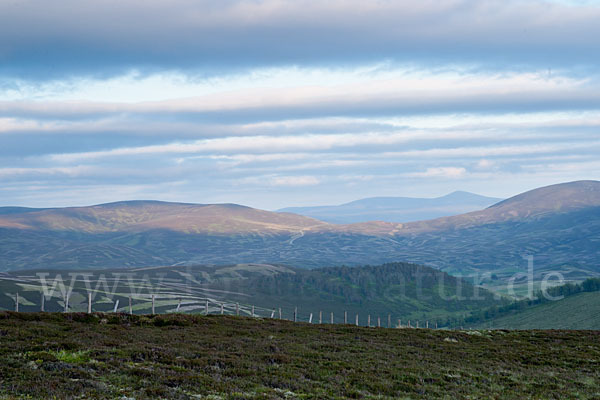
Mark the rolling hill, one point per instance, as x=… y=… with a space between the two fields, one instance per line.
x=558 y=225
x=396 y=209
x=405 y=291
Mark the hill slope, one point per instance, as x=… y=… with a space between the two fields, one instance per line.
x=406 y=291
x=580 y=311
x=396 y=209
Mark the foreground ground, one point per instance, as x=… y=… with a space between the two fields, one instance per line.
x=183 y=356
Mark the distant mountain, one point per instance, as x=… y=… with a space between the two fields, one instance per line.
x=140 y=216
x=558 y=225
x=397 y=209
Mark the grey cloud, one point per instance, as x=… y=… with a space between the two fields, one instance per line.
x=107 y=37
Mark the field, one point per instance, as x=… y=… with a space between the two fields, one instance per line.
x=217 y=357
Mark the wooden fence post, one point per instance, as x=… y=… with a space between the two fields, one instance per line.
x=320 y=317
x=332 y=318
x=153 y=305
x=369 y=320
x=356 y=319
x=130 y=306
x=206 y=307
x=427 y=324
x=43 y=301
x=345 y=317
x=389 y=320
x=310 y=319
x=252 y=311
x=67 y=302
x=296 y=314
x=222 y=309
x=89 y=302
x=379 y=322
x=17 y=302
x=417 y=324
x=279 y=312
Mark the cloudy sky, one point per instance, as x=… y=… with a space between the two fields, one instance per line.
x=274 y=103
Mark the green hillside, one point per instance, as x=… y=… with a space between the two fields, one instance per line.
x=112 y=356
x=579 y=311
x=570 y=306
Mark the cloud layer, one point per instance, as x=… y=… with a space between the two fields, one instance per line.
x=108 y=37
x=276 y=103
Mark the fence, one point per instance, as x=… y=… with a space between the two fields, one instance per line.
x=207 y=306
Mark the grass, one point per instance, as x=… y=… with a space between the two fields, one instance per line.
x=579 y=311
x=223 y=357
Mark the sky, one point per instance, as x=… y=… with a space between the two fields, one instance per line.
x=275 y=103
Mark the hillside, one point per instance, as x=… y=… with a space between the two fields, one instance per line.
x=404 y=291
x=396 y=209
x=190 y=357
x=570 y=306
x=558 y=225
x=580 y=311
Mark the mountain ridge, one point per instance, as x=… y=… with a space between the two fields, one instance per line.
x=563 y=230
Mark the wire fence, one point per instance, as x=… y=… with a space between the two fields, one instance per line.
x=170 y=303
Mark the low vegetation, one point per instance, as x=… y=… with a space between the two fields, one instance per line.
x=557 y=307
x=221 y=357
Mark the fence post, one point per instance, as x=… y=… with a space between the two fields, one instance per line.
x=43 y=301
x=409 y=323
x=67 y=302
x=296 y=314
x=332 y=318
x=389 y=320
x=279 y=312
x=152 y=304
x=379 y=322
x=116 y=306
x=320 y=317
x=345 y=317
x=356 y=320
x=310 y=319
x=369 y=320
x=427 y=324
x=178 y=306
x=17 y=302
x=89 y=302
x=417 y=324
x=435 y=324
x=206 y=307
x=273 y=314
x=222 y=309
x=130 y=306
x=399 y=323
x=237 y=308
